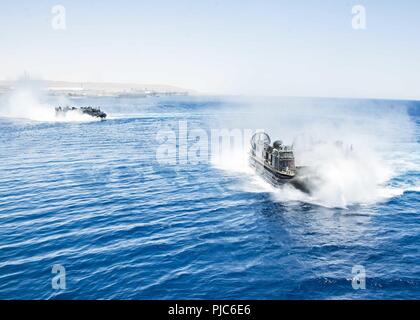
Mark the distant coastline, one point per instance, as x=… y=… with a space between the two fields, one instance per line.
x=103 y=89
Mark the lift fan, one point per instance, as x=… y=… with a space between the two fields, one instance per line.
x=260 y=138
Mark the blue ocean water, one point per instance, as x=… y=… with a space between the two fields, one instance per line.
x=92 y=197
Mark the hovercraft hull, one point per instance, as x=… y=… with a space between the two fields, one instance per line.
x=277 y=179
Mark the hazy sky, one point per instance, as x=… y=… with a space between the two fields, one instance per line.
x=304 y=48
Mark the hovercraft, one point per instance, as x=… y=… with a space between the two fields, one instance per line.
x=93 y=112
x=275 y=162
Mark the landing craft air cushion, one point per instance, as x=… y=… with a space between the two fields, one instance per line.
x=93 y=112
x=276 y=163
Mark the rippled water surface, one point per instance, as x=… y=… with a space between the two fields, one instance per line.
x=92 y=197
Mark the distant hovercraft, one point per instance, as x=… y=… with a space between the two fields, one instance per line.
x=93 y=112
